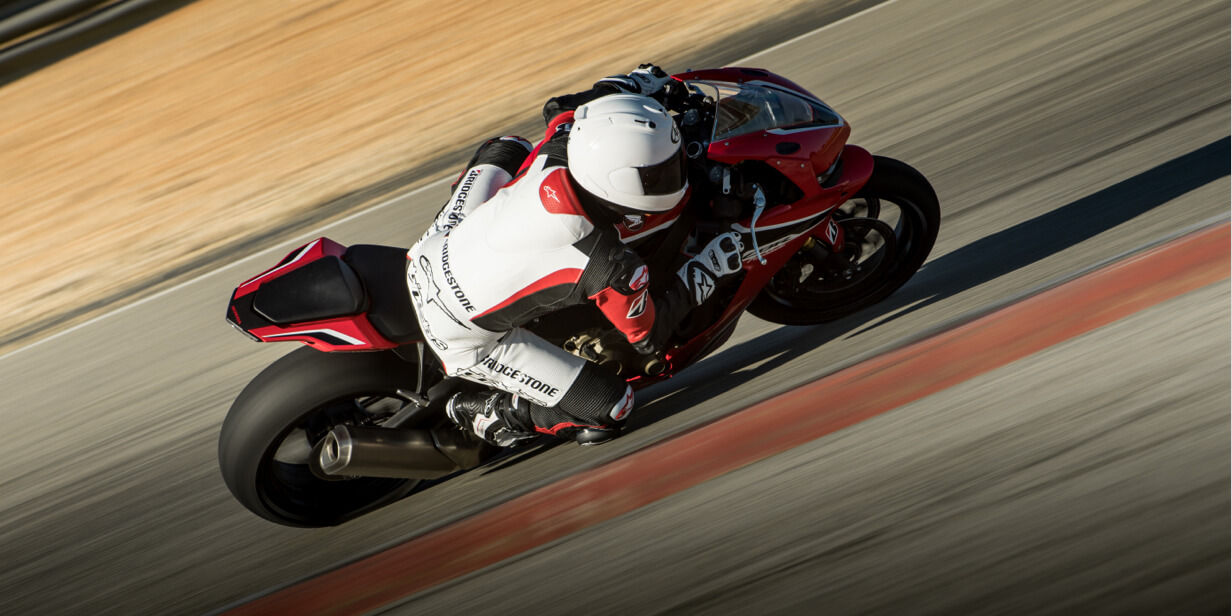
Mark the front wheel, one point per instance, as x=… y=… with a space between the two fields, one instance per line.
x=889 y=228
x=271 y=429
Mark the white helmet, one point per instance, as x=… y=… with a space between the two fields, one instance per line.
x=625 y=149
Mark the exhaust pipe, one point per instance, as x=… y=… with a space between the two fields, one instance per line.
x=350 y=451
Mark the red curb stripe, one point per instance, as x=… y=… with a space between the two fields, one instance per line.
x=763 y=430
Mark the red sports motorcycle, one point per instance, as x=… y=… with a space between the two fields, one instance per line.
x=354 y=422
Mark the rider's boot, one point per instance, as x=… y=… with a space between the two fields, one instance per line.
x=494 y=416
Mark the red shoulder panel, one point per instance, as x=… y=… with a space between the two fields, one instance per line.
x=557 y=195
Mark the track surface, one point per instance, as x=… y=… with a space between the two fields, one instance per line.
x=1057 y=135
x=774 y=426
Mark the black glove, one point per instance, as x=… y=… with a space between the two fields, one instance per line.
x=671 y=304
x=646 y=79
x=719 y=259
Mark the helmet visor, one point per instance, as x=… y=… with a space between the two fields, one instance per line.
x=664 y=178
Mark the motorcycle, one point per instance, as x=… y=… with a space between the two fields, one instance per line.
x=355 y=419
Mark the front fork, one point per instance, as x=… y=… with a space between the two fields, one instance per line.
x=836 y=251
x=826 y=247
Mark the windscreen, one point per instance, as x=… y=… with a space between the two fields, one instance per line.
x=748 y=108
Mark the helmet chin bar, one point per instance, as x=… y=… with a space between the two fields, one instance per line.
x=609 y=211
x=602 y=209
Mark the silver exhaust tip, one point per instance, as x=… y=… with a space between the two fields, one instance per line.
x=336 y=451
x=355 y=451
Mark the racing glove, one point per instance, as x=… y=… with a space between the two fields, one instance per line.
x=699 y=277
x=720 y=258
x=646 y=79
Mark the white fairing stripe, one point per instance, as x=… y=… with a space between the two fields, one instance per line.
x=743 y=229
x=287 y=264
x=336 y=334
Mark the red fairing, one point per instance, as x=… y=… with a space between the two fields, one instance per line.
x=813 y=212
x=857 y=168
x=353 y=333
x=817 y=151
x=809 y=152
x=294 y=260
x=347 y=333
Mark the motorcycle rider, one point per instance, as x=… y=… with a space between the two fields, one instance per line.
x=528 y=231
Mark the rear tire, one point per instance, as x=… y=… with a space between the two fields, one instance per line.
x=897 y=199
x=284 y=411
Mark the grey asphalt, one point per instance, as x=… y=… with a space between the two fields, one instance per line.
x=1071 y=482
x=1058 y=135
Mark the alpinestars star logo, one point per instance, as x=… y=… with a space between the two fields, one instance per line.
x=640 y=277
x=550 y=193
x=622 y=408
x=426 y=267
x=701 y=282
x=484 y=420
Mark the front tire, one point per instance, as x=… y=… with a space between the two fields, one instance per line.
x=890 y=227
x=273 y=425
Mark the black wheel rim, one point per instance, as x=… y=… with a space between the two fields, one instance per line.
x=880 y=233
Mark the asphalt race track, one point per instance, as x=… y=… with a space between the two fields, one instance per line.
x=1090 y=477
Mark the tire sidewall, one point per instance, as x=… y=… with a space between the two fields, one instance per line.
x=895 y=181
x=281 y=396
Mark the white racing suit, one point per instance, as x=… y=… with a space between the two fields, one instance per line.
x=502 y=252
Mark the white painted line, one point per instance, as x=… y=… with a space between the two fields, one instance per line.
x=320 y=231
x=810 y=33
x=261 y=254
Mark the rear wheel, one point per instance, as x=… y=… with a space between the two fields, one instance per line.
x=271 y=429
x=889 y=228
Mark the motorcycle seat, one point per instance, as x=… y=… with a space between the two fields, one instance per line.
x=324 y=289
x=383 y=272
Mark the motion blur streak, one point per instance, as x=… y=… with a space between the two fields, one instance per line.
x=776 y=425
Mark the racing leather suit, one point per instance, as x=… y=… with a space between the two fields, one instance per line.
x=506 y=250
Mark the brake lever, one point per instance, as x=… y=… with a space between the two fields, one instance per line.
x=759 y=206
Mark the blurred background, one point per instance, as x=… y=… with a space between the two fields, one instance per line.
x=145 y=140
x=155 y=153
